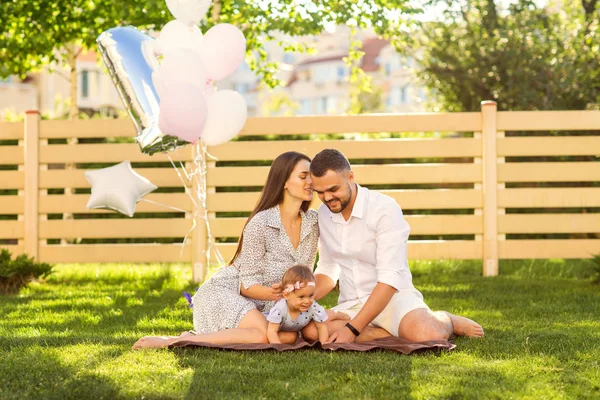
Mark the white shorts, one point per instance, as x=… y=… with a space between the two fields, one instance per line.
x=403 y=302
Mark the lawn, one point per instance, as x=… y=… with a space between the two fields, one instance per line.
x=71 y=337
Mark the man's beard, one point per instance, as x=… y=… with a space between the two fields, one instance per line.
x=343 y=203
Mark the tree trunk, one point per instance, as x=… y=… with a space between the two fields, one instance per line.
x=72 y=60
x=216 y=11
x=589 y=6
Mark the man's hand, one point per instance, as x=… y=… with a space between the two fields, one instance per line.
x=342 y=335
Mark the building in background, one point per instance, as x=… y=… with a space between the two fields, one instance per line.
x=315 y=83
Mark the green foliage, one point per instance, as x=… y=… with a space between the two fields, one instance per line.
x=595 y=261
x=17 y=273
x=70 y=26
x=525 y=56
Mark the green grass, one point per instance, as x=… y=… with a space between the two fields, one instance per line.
x=70 y=338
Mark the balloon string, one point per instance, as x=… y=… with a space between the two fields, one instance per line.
x=187 y=190
x=164 y=205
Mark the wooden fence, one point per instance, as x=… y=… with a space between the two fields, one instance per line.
x=468 y=190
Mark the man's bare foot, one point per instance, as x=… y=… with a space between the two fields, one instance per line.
x=152 y=342
x=465 y=326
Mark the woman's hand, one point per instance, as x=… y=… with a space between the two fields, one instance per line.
x=276 y=291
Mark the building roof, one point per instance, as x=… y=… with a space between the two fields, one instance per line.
x=372 y=47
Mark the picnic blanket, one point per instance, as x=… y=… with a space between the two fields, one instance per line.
x=388 y=343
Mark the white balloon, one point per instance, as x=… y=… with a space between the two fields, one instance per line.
x=179 y=34
x=189 y=11
x=223 y=50
x=182 y=65
x=227 y=113
x=117 y=188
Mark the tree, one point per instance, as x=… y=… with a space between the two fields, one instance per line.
x=526 y=56
x=36 y=33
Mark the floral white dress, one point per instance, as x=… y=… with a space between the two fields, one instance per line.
x=267 y=253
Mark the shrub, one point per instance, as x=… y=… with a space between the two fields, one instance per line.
x=17 y=273
x=596 y=268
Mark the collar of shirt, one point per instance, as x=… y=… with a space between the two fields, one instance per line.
x=273 y=219
x=358 y=210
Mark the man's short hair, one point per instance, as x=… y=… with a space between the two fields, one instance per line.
x=329 y=160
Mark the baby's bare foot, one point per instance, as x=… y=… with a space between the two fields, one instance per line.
x=465 y=326
x=152 y=342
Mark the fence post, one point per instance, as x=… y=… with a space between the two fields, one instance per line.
x=199 y=236
x=32 y=182
x=490 y=190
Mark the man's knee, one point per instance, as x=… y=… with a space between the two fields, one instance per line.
x=422 y=325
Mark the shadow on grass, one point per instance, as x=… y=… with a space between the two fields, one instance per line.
x=38 y=373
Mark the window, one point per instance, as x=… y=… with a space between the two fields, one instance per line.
x=85 y=84
x=404 y=95
x=341 y=73
x=388 y=69
x=305 y=107
x=288 y=58
x=242 y=88
x=331 y=106
x=321 y=105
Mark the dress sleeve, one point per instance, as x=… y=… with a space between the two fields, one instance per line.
x=318 y=313
x=276 y=314
x=250 y=261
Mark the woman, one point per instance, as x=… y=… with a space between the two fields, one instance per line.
x=280 y=232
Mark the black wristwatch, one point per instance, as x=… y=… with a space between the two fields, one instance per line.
x=352 y=329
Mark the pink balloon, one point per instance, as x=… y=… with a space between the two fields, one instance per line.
x=183 y=112
x=223 y=50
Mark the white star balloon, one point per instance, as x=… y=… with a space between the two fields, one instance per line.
x=117 y=188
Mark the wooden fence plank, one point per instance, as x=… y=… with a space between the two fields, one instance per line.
x=11 y=229
x=76 y=204
x=13 y=248
x=11 y=130
x=454 y=122
x=548 y=120
x=11 y=155
x=101 y=128
x=408 y=199
x=353 y=149
x=12 y=204
x=12 y=179
x=365 y=174
x=549 y=197
x=549 y=146
x=549 y=172
x=419 y=225
x=114 y=253
x=531 y=249
x=107 y=228
x=417 y=250
x=549 y=223
x=105 y=153
x=58 y=178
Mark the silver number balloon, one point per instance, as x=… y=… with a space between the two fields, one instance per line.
x=130 y=58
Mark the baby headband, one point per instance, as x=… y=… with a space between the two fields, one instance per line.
x=298 y=285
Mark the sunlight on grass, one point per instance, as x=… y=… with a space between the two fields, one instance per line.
x=71 y=337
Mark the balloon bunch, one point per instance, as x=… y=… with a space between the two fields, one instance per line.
x=168 y=87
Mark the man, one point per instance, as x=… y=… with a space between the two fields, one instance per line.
x=363 y=238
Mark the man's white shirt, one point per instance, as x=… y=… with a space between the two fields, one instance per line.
x=368 y=248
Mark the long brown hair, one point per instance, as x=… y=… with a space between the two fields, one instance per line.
x=272 y=193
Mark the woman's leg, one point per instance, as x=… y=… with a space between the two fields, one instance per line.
x=252 y=329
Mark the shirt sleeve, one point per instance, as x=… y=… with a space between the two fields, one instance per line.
x=392 y=232
x=276 y=314
x=326 y=265
x=250 y=261
x=318 y=313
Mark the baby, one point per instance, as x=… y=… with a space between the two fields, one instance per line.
x=298 y=306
